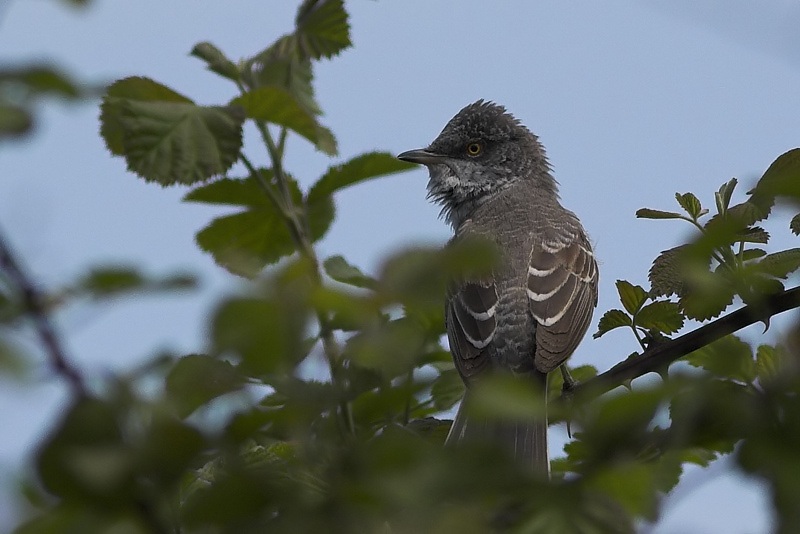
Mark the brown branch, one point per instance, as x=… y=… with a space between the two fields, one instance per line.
x=659 y=356
x=33 y=305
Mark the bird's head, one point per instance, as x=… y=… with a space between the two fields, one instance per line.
x=481 y=151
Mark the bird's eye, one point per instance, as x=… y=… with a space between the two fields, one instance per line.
x=474 y=148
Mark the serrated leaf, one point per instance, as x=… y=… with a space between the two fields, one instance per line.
x=358 y=169
x=647 y=213
x=320 y=215
x=632 y=297
x=245 y=242
x=728 y=357
x=769 y=362
x=610 y=320
x=666 y=273
x=663 y=316
x=322 y=28
x=197 y=379
x=277 y=106
x=447 y=390
x=337 y=268
x=794 y=225
x=780 y=264
x=754 y=234
x=280 y=65
x=134 y=88
x=723 y=196
x=690 y=203
x=169 y=143
x=706 y=300
x=216 y=60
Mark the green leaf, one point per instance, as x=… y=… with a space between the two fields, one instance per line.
x=723 y=196
x=647 y=213
x=278 y=106
x=728 y=357
x=666 y=274
x=447 y=390
x=664 y=316
x=341 y=271
x=753 y=253
x=360 y=168
x=631 y=484
x=782 y=178
x=794 y=225
x=322 y=28
x=112 y=281
x=632 y=297
x=709 y=295
x=197 y=379
x=691 y=204
x=135 y=88
x=780 y=264
x=171 y=143
x=279 y=65
x=265 y=334
x=38 y=80
x=216 y=60
x=245 y=242
x=164 y=136
x=320 y=214
x=610 y=320
x=754 y=234
x=14 y=120
x=770 y=363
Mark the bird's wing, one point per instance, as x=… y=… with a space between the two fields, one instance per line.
x=470 y=319
x=562 y=291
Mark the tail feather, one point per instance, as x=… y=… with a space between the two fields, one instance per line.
x=525 y=440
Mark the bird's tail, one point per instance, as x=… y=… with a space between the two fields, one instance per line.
x=524 y=439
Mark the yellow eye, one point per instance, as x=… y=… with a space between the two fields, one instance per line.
x=474 y=148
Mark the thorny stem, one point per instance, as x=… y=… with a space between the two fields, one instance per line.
x=34 y=307
x=660 y=355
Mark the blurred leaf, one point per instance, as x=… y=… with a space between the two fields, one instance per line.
x=728 y=357
x=391 y=349
x=277 y=106
x=216 y=60
x=279 y=65
x=447 y=390
x=197 y=379
x=14 y=120
x=358 y=169
x=105 y=282
x=36 y=80
x=264 y=333
x=663 y=316
x=647 y=213
x=632 y=297
x=322 y=28
x=691 y=204
x=610 y=320
x=631 y=484
x=84 y=458
x=506 y=398
x=341 y=271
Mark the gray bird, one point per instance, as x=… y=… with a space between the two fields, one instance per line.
x=491 y=176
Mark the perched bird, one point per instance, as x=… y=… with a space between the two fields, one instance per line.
x=491 y=176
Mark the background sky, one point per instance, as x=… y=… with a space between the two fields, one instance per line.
x=634 y=101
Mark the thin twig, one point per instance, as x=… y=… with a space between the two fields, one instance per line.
x=34 y=307
x=659 y=356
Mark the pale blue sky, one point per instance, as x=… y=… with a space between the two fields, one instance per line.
x=633 y=100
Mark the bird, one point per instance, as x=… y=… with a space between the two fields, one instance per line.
x=491 y=176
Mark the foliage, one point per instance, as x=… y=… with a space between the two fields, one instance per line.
x=241 y=439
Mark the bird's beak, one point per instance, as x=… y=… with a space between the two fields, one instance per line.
x=421 y=156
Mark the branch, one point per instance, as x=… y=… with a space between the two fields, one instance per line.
x=659 y=356
x=33 y=306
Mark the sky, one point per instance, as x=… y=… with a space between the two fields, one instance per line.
x=634 y=100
